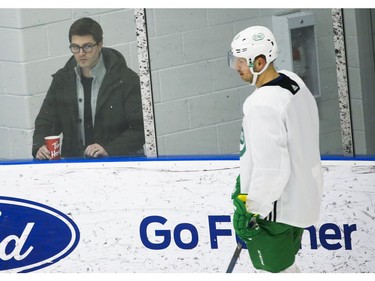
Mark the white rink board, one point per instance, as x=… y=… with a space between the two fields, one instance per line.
x=108 y=201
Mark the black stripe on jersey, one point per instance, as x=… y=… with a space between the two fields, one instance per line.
x=272 y=216
x=284 y=82
x=274 y=210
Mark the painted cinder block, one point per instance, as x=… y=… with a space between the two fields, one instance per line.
x=170 y=21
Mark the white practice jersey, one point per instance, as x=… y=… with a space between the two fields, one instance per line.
x=280 y=163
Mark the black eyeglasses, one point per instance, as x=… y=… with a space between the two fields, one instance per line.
x=87 y=48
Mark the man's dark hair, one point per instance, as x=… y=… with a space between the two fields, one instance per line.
x=86 y=26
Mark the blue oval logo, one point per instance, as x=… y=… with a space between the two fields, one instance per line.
x=33 y=235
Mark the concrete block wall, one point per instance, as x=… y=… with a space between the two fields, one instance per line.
x=351 y=38
x=328 y=101
x=198 y=99
x=34 y=46
x=360 y=57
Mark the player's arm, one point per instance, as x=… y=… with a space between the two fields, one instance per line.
x=267 y=140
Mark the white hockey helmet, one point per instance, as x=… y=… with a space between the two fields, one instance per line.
x=251 y=43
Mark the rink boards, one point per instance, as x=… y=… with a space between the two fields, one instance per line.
x=165 y=216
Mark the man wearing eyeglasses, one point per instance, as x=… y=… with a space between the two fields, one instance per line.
x=94 y=101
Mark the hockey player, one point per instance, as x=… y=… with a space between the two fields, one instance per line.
x=280 y=181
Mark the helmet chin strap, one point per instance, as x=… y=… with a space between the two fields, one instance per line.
x=256 y=74
x=255 y=77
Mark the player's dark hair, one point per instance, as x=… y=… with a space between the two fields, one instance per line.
x=86 y=26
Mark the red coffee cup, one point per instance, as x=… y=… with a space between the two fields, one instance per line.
x=53 y=145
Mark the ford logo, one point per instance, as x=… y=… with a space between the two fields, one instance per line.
x=33 y=236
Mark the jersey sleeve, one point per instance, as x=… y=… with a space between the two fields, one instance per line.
x=266 y=138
